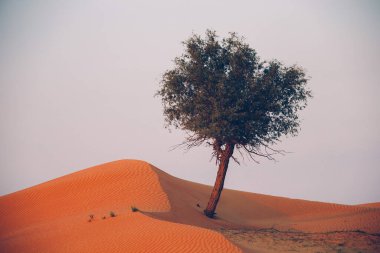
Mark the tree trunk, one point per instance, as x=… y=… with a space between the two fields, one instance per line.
x=219 y=182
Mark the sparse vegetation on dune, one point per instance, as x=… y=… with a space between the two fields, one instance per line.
x=273 y=240
x=224 y=96
x=173 y=202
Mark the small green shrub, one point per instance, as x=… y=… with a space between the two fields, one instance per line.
x=112 y=214
x=134 y=209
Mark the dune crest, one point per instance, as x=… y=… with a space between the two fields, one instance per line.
x=73 y=214
x=99 y=189
x=55 y=216
x=239 y=209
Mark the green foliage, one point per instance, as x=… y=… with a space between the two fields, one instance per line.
x=134 y=209
x=221 y=93
x=112 y=214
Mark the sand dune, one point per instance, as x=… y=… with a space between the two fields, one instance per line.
x=249 y=210
x=55 y=216
x=373 y=205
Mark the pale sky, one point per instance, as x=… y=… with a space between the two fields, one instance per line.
x=77 y=80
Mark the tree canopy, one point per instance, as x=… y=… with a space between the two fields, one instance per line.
x=221 y=93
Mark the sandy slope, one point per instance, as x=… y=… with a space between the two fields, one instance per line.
x=54 y=217
x=249 y=210
x=373 y=205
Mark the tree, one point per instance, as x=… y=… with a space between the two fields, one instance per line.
x=222 y=95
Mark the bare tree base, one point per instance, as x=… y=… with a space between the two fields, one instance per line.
x=209 y=214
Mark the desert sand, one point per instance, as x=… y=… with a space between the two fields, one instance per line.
x=73 y=214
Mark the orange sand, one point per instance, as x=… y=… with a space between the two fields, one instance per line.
x=53 y=216
x=373 y=205
x=238 y=209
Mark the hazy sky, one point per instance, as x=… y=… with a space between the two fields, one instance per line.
x=77 y=80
